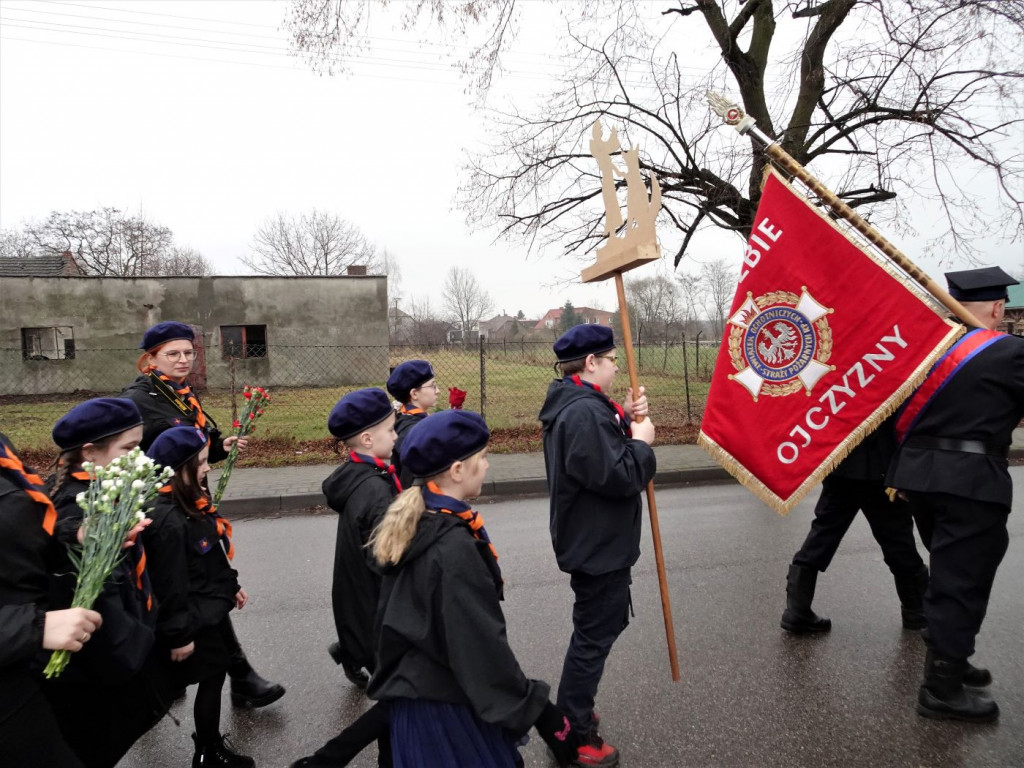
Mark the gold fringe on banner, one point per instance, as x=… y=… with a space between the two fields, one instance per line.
x=894 y=401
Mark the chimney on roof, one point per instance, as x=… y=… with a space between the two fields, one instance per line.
x=356 y=270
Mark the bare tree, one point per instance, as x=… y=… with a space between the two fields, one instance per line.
x=654 y=305
x=719 y=284
x=888 y=101
x=109 y=242
x=14 y=244
x=692 y=301
x=314 y=243
x=465 y=300
x=428 y=329
x=183 y=260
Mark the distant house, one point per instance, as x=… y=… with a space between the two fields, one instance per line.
x=505 y=327
x=1013 y=322
x=401 y=325
x=63 y=265
x=587 y=315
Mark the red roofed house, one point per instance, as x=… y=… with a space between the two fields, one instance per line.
x=587 y=315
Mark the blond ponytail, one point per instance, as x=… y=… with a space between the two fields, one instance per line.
x=393 y=535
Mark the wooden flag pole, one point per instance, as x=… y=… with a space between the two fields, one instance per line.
x=637 y=245
x=652 y=507
x=734 y=116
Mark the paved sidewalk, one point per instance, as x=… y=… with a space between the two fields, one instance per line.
x=287 y=489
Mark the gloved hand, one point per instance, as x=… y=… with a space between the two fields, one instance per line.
x=553 y=726
x=456 y=397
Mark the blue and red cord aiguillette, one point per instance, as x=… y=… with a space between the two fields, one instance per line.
x=940 y=375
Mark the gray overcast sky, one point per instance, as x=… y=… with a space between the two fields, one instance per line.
x=194 y=112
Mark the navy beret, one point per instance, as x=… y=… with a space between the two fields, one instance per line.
x=582 y=340
x=435 y=443
x=161 y=333
x=357 y=411
x=174 y=446
x=407 y=376
x=986 y=284
x=95 y=419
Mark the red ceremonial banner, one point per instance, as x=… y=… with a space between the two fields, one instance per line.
x=824 y=340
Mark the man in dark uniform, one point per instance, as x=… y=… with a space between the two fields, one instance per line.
x=954 y=433
x=858 y=483
x=598 y=462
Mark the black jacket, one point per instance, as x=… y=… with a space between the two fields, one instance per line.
x=870 y=459
x=441 y=632
x=194 y=584
x=121 y=646
x=595 y=476
x=360 y=494
x=403 y=423
x=27 y=555
x=159 y=414
x=983 y=402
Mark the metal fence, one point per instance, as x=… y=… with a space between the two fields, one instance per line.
x=504 y=380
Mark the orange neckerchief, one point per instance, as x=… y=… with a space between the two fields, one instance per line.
x=31 y=483
x=184 y=391
x=412 y=411
x=223 y=526
x=471 y=516
x=81 y=475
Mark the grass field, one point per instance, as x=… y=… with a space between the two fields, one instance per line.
x=294 y=428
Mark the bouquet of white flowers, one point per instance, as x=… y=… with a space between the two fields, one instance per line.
x=113 y=505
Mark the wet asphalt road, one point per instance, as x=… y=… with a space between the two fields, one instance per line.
x=750 y=694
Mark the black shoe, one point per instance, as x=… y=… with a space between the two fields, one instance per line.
x=798 y=617
x=943 y=696
x=251 y=691
x=976 y=677
x=334 y=649
x=221 y=754
x=356 y=675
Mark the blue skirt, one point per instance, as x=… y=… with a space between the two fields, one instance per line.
x=432 y=734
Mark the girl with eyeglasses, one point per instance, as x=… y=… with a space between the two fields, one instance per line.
x=166 y=400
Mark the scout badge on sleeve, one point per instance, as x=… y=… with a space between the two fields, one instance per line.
x=825 y=338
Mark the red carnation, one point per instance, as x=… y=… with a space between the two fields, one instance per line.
x=236 y=423
x=456 y=397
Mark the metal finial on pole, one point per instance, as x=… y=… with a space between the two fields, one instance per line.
x=732 y=114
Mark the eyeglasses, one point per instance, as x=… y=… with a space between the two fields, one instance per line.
x=432 y=385
x=613 y=358
x=175 y=356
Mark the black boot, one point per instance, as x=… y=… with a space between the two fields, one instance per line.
x=798 y=617
x=356 y=675
x=219 y=753
x=976 y=677
x=248 y=689
x=944 y=697
x=911 y=588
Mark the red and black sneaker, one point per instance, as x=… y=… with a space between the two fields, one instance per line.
x=593 y=751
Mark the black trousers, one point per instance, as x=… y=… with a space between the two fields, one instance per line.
x=968 y=542
x=30 y=737
x=372 y=725
x=891 y=523
x=599 y=614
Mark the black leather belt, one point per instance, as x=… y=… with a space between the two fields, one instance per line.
x=960 y=446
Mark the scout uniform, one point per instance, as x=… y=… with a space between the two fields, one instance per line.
x=164 y=404
x=456 y=692
x=596 y=474
x=115 y=689
x=189 y=549
x=29 y=734
x=360 y=491
x=954 y=435
x=406 y=377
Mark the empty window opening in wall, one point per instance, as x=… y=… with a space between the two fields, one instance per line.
x=243 y=341
x=56 y=342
